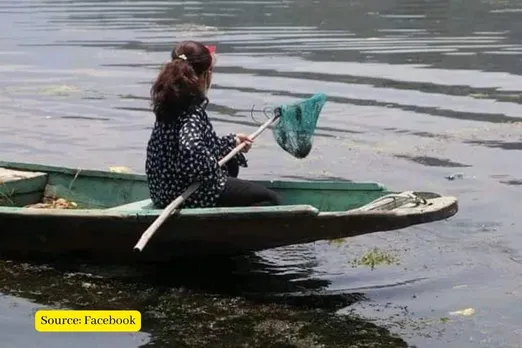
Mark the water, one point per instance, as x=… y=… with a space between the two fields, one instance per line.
x=418 y=90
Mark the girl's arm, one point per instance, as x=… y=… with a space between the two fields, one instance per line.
x=227 y=143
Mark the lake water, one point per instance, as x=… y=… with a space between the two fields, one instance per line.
x=418 y=91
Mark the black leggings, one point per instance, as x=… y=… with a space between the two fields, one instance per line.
x=240 y=193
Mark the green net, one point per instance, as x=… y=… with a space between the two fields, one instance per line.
x=295 y=129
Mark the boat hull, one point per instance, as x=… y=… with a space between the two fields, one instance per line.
x=105 y=227
x=110 y=237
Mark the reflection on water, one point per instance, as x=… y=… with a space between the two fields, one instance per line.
x=418 y=90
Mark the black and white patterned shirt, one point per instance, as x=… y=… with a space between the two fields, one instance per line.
x=184 y=152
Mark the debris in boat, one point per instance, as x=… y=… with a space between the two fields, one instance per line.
x=53 y=203
x=375 y=257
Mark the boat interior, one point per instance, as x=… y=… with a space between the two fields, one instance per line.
x=28 y=185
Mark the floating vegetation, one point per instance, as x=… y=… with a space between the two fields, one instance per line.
x=338 y=241
x=371 y=258
x=375 y=257
x=176 y=316
x=53 y=90
x=464 y=312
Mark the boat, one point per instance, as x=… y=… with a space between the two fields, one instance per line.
x=52 y=212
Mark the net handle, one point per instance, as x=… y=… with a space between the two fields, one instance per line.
x=252 y=136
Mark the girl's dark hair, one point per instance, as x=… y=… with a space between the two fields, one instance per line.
x=177 y=87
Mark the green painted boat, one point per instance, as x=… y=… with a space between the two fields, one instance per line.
x=111 y=210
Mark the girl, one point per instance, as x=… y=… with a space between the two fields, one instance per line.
x=184 y=148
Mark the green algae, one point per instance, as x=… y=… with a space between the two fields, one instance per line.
x=375 y=257
x=183 y=317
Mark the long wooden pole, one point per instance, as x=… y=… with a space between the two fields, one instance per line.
x=147 y=235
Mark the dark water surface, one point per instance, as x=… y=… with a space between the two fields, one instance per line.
x=419 y=90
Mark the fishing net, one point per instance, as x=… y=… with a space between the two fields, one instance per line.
x=295 y=129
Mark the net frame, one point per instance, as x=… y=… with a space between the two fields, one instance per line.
x=295 y=128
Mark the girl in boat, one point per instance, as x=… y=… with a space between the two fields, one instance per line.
x=184 y=148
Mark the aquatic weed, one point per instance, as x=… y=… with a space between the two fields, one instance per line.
x=375 y=257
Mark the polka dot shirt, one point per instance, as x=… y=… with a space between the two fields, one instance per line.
x=184 y=152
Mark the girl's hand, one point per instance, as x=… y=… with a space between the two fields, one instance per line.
x=243 y=138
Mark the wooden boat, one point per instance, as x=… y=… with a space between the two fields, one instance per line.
x=111 y=210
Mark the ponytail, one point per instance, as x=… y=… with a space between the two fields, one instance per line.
x=178 y=87
x=175 y=90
